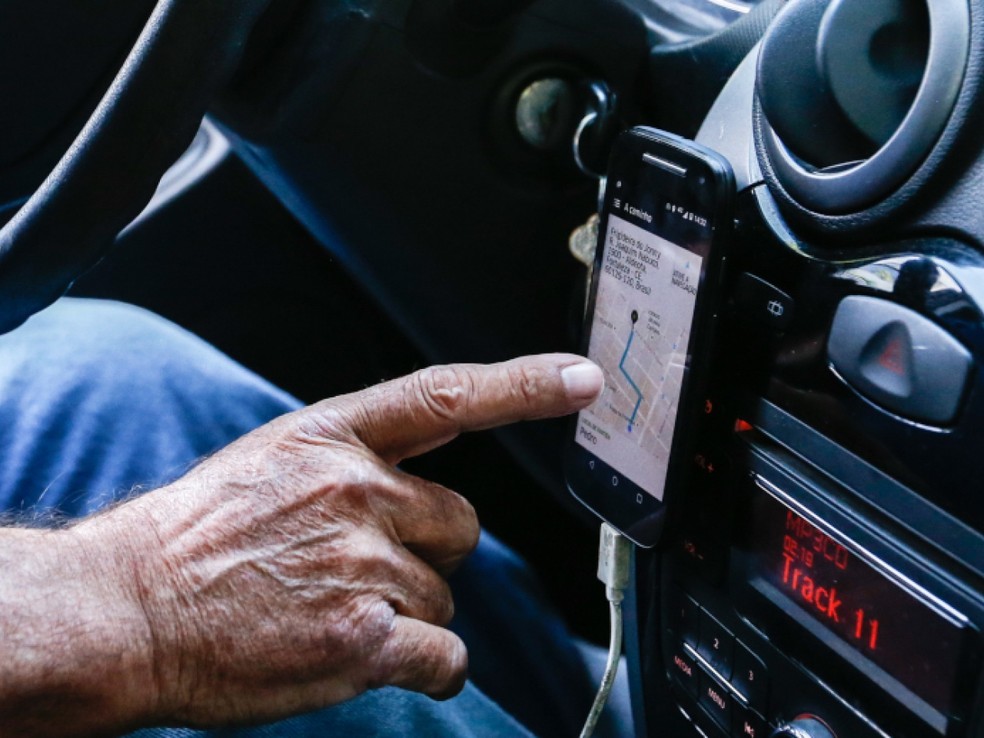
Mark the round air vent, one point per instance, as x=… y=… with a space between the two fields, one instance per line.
x=854 y=94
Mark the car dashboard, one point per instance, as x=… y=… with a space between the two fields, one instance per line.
x=826 y=581
x=392 y=182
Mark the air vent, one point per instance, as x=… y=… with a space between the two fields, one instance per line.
x=854 y=93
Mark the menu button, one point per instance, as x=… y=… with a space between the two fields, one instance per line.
x=716 y=700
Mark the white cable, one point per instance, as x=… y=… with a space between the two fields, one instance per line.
x=613 y=571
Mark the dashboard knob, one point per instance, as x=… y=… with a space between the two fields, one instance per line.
x=805 y=726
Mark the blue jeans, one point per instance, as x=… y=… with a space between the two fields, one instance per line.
x=102 y=400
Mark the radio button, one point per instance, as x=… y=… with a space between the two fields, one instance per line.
x=685 y=617
x=716 y=700
x=748 y=725
x=683 y=668
x=716 y=645
x=705 y=559
x=750 y=678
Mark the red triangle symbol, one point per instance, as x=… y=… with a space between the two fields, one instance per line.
x=893 y=356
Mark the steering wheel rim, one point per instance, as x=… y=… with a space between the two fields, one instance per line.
x=147 y=118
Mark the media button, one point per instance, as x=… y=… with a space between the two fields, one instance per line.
x=683 y=669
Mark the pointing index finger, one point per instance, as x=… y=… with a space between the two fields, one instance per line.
x=417 y=413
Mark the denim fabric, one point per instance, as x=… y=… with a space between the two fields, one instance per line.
x=384 y=713
x=98 y=397
x=101 y=400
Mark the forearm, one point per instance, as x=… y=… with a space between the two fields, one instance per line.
x=75 y=653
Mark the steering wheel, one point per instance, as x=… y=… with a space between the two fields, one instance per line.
x=147 y=118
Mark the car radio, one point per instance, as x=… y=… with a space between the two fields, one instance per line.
x=827 y=579
x=813 y=610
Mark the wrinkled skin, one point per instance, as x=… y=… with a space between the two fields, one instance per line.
x=294 y=569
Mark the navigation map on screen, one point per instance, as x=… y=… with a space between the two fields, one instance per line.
x=644 y=310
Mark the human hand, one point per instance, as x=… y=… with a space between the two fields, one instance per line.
x=298 y=567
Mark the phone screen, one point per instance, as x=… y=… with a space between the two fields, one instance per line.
x=651 y=314
x=640 y=336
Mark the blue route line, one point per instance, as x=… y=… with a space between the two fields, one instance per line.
x=621 y=366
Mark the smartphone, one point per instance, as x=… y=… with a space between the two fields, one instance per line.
x=665 y=219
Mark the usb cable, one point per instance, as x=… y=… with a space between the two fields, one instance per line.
x=613 y=571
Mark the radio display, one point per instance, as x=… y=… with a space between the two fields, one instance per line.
x=885 y=619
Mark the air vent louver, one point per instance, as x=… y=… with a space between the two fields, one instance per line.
x=854 y=93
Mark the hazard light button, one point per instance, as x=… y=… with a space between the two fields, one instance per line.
x=899 y=359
